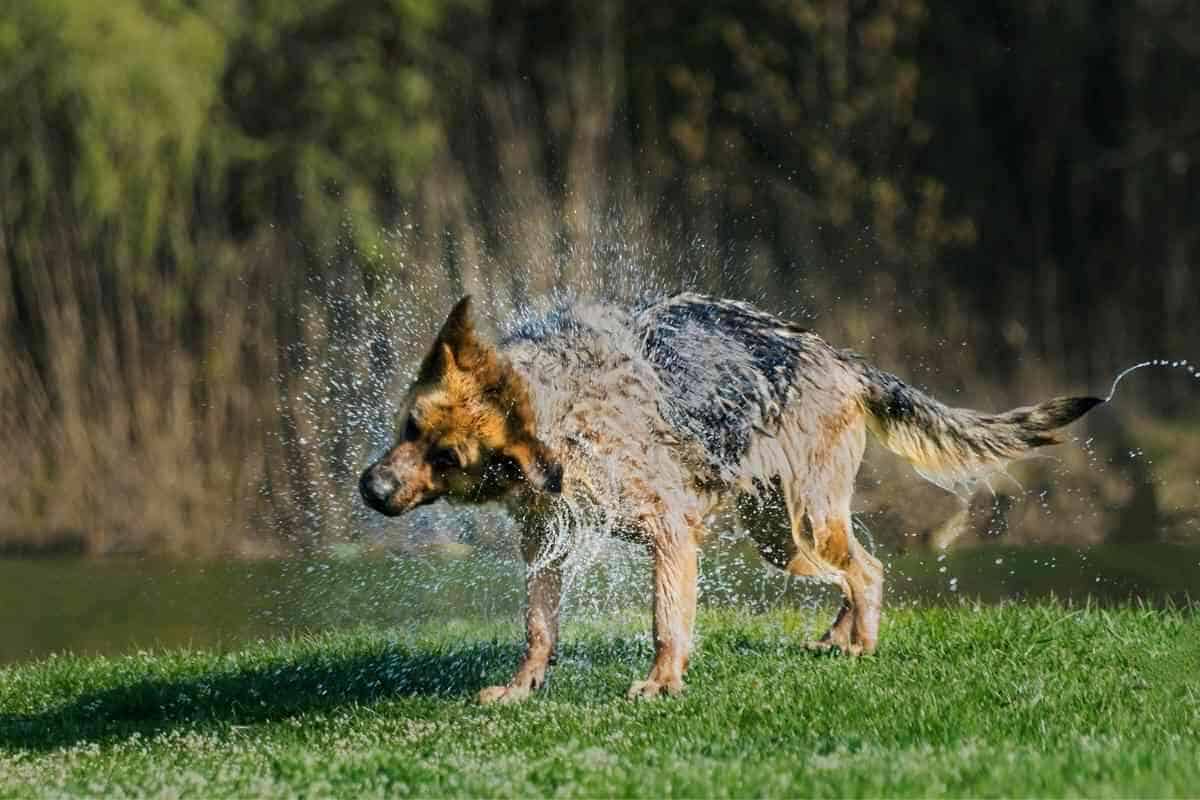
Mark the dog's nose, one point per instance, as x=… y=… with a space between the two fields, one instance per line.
x=376 y=486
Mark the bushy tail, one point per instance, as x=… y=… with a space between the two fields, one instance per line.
x=956 y=448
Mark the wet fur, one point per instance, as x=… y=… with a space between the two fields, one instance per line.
x=649 y=419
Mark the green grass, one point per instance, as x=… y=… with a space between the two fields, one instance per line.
x=1019 y=700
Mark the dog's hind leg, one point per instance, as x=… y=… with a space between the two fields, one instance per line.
x=543 y=587
x=865 y=576
x=819 y=507
x=859 y=574
x=825 y=549
x=822 y=551
x=675 y=576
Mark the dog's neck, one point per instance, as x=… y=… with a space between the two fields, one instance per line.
x=595 y=401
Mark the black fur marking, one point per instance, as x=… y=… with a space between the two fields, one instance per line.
x=888 y=398
x=1038 y=423
x=557 y=323
x=1064 y=410
x=727 y=369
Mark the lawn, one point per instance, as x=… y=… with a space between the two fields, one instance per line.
x=1014 y=700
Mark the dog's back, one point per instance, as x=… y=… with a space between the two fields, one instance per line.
x=731 y=374
x=719 y=374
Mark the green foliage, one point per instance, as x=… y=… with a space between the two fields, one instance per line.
x=147 y=125
x=966 y=701
x=337 y=111
x=794 y=97
x=109 y=116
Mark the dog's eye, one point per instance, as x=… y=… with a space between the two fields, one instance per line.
x=411 y=431
x=444 y=458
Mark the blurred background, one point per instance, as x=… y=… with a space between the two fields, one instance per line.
x=229 y=227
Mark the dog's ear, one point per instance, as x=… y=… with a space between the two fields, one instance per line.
x=537 y=463
x=458 y=331
x=457 y=344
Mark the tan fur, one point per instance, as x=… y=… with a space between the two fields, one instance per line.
x=467 y=401
x=570 y=431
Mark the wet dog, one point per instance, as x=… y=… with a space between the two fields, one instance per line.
x=651 y=418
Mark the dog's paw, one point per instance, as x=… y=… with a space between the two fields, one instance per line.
x=503 y=694
x=833 y=648
x=649 y=689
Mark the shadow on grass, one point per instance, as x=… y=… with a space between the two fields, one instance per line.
x=317 y=678
x=279 y=687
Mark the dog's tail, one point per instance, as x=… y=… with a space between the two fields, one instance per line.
x=956 y=448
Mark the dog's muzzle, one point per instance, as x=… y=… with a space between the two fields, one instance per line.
x=377 y=485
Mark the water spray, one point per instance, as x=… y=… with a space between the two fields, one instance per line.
x=1156 y=362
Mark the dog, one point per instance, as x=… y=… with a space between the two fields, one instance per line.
x=651 y=417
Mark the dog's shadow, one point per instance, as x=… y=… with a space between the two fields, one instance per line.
x=245 y=690
x=246 y=694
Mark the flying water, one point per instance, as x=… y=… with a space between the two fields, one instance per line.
x=341 y=388
x=1157 y=362
x=358 y=342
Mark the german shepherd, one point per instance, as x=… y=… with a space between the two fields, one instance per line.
x=653 y=417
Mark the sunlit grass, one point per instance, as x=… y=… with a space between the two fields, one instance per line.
x=1020 y=700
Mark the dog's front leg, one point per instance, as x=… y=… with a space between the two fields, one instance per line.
x=543 y=588
x=675 y=570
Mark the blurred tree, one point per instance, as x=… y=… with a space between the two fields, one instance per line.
x=178 y=178
x=335 y=104
x=793 y=121
x=108 y=128
x=1069 y=132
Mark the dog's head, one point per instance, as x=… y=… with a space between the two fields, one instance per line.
x=467 y=430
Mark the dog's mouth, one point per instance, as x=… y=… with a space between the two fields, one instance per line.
x=383 y=505
x=392 y=506
x=384 y=496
